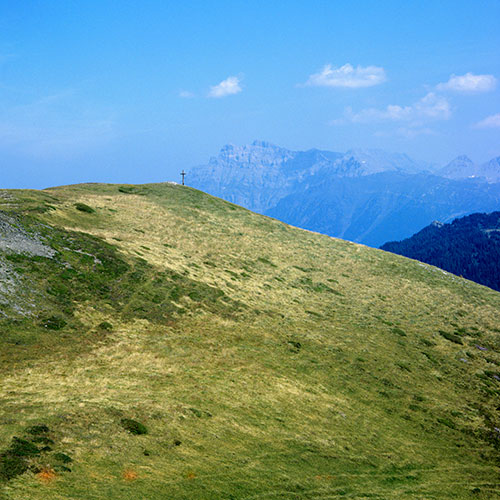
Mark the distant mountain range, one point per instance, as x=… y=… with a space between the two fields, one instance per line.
x=469 y=246
x=463 y=167
x=368 y=196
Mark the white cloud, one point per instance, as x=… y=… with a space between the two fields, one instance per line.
x=469 y=83
x=347 y=76
x=492 y=121
x=229 y=86
x=430 y=107
x=186 y=94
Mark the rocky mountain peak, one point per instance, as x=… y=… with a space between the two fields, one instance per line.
x=257 y=154
x=490 y=170
x=462 y=159
x=372 y=161
x=462 y=167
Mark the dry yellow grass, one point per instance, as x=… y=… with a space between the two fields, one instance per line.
x=331 y=380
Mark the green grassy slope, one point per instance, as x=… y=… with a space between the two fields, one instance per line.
x=265 y=362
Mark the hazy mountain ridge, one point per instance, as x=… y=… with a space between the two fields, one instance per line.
x=258 y=175
x=383 y=206
x=251 y=176
x=368 y=196
x=463 y=167
x=469 y=246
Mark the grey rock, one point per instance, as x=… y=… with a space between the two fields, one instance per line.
x=15 y=239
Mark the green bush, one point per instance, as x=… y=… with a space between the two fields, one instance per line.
x=84 y=208
x=133 y=426
x=106 y=326
x=14 y=461
x=22 y=448
x=127 y=189
x=37 y=429
x=54 y=323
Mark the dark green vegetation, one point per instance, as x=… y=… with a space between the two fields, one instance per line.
x=84 y=208
x=172 y=345
x=133 y=426
x=33 y=452
x=468 y=247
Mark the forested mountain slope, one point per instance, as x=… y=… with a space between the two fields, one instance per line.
x=468 y=247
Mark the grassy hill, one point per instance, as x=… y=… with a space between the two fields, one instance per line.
x=157 y=342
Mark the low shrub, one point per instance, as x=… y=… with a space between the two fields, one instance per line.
x=84 y=208
x=14 y=461
x=127 y=189
x=133 y=426
x=38 y=429
x=106 y=326
x=54 y=323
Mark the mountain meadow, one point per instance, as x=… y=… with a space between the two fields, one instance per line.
x=157 y=342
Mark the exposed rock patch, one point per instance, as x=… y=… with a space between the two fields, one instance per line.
x=16 y=295
x=15 y=239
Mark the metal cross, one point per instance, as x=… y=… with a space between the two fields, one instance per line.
x=183 y=174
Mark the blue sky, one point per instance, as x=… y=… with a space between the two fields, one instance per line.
x=126 y=91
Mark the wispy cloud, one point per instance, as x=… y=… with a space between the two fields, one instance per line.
x=408 y=132
x=492 y=121
x=469 y=83
x=412 y=132
x=186 y=94
x=347 y=76
x=229 y=86
x=430 y=107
